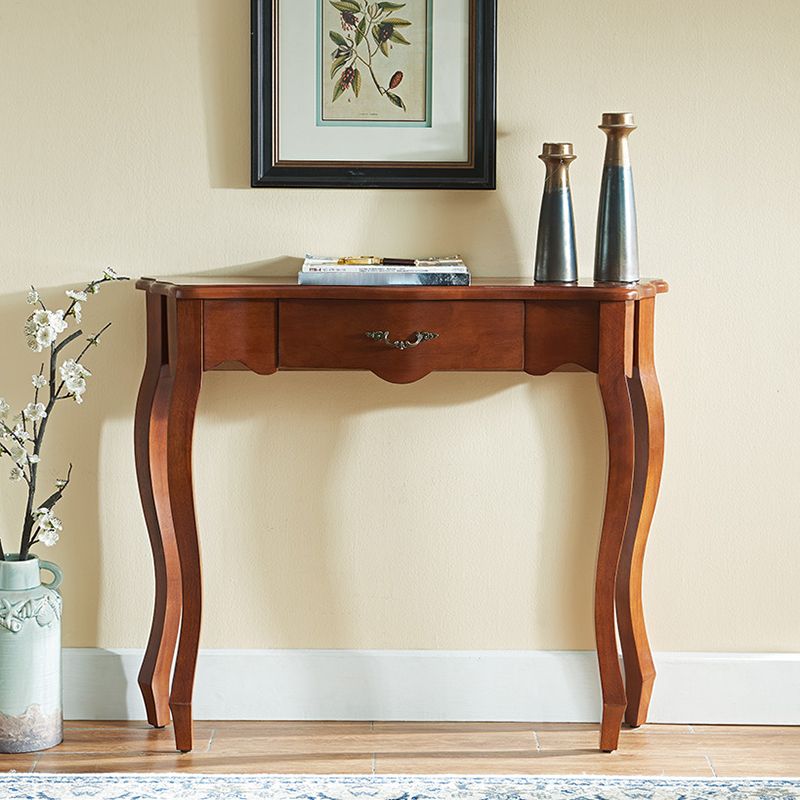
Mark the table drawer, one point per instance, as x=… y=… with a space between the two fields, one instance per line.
x=240 y=332
x=408 y=339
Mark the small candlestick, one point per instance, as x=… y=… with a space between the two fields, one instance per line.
x=556 y=254
x=617 y=248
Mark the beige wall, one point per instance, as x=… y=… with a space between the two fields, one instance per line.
x=462 y=511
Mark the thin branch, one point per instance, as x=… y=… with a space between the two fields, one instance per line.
x=88 y=291
x=4 y=449
x=28 y=521
x=39 y=301
x=62 y=344
x=13 y=435
x=36 y=392
x=53 y=366
x=88 y=288
x=29 y=527
x=36 y=398
x=370 y=20
x=380 y=89
x=57 y=495
x=21 y=443
x=37 y=529
x=93 y=341
x=28 y=524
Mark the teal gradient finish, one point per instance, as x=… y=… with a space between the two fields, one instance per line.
x=617 y=253
x=556 y=252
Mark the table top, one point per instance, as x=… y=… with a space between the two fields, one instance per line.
x=205 y=287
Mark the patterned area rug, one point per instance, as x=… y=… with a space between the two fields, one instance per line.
x=323 y=787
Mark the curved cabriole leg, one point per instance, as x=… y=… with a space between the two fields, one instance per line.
x=150 y=425
x=648 y=414
x=186 y=328
x=615 y=332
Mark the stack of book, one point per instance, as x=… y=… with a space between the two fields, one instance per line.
x=371 y=271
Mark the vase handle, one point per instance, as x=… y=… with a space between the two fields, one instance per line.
x=58 y=575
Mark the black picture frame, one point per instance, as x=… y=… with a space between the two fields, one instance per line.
x=478 y=173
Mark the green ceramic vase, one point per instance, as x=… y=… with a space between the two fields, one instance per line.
x=30 y=656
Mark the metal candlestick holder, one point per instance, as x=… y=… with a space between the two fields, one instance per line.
x=617 y=249
x=556 y=255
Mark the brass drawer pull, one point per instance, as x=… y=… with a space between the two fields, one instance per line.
x=417 y=339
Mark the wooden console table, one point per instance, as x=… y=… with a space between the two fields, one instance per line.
x=401 y=334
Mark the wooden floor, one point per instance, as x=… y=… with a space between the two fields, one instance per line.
x=454 y=748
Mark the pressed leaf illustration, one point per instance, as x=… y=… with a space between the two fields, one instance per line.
x=367 y=29
x=396 y=100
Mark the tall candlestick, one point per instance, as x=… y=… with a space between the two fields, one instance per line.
x=556 y=259
x=617 y=249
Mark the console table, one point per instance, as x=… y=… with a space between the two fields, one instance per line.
x=401 y=334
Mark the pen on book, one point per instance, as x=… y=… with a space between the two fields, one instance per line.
x=364 y=261
x=399 y=262
x=374 y=261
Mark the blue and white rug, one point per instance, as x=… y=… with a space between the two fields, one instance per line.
x=324 y=787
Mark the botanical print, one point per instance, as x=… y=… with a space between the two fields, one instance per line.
x=374 y=62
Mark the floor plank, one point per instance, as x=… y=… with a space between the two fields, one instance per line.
x=141 y=739
x=207 y=763
x=777 y=765
x=453 y=727
x=421 y=748
x=640 y=741
x=755 y=731
x=553 y=762
x=17 y=763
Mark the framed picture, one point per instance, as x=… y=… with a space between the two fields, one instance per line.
x=371 y=93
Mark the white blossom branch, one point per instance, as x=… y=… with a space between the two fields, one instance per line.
x=43 y=328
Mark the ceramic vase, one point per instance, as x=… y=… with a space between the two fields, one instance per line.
x=30 y=656
x=556 y=255
x=617 y=250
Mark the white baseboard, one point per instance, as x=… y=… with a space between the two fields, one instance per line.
x=557 y=686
